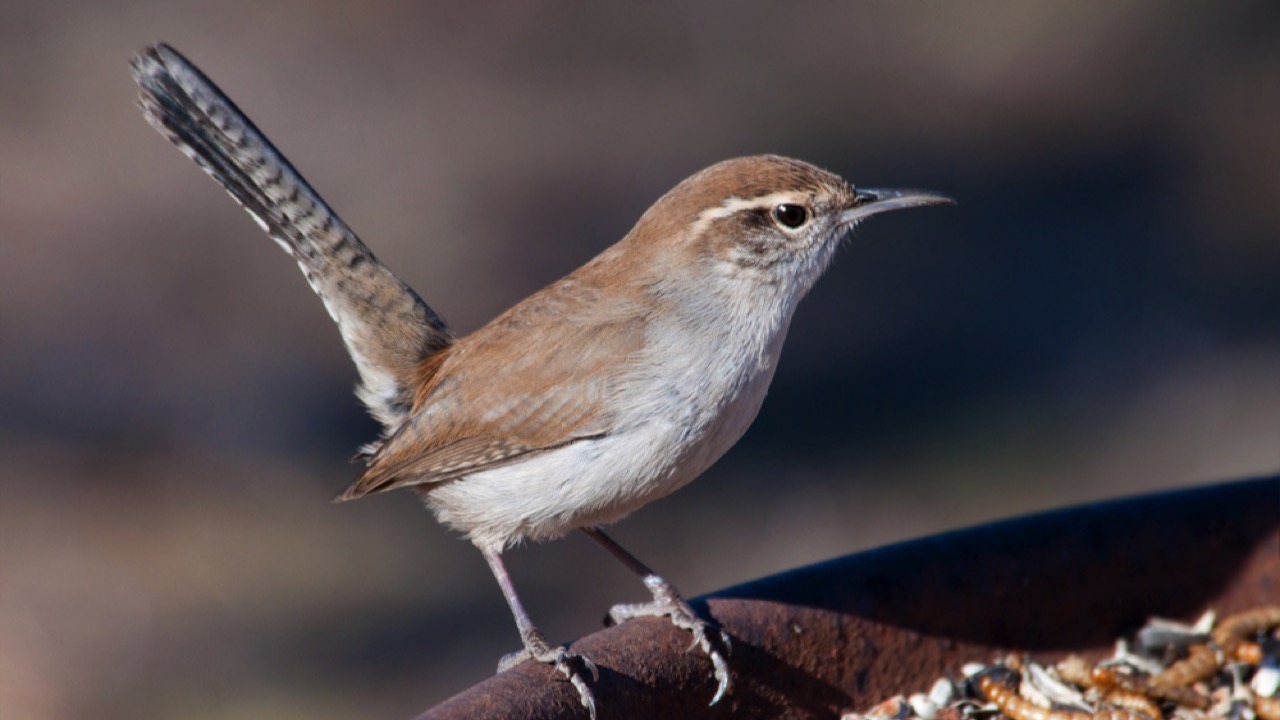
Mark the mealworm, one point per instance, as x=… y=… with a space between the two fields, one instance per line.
x=1104 y=677
x=1241 y=625
x=1247 y=652
x=1178 y=695
x=1133 y=701
x=1017 y=708
x=1200 y=663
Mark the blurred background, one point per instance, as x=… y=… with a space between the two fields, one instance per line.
x=1099 y=316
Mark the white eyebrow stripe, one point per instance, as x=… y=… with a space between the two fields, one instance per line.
x=736 y=204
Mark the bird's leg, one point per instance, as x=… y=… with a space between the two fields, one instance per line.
x=668 y=603
x=535 y=645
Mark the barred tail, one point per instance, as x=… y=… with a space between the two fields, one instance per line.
x=387 y=328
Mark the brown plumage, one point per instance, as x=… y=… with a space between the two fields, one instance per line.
x=614 y=386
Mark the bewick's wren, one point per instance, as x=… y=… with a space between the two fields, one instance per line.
x=609 y=388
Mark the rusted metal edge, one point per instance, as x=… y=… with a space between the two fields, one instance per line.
x=843 y=634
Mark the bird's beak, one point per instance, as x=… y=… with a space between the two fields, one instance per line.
x=868 y=202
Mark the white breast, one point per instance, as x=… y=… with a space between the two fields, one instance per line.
x=681 y=406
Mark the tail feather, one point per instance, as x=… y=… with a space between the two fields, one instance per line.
x=387 y=328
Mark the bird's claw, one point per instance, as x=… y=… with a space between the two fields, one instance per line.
x=563 y=662
x=682 y=616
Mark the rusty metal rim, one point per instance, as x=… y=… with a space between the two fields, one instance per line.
x=845 y=633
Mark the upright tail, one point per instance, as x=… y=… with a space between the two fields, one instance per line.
x=387 y=328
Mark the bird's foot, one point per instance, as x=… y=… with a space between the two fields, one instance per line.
x=713 y=641
x=569 y=664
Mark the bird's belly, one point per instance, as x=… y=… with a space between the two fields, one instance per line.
x=595 y=481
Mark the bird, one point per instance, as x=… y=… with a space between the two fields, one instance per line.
x=609 y=388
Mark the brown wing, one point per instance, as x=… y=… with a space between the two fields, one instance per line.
x=533 y=380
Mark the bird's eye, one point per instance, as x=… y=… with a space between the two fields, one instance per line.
x=792 y=216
